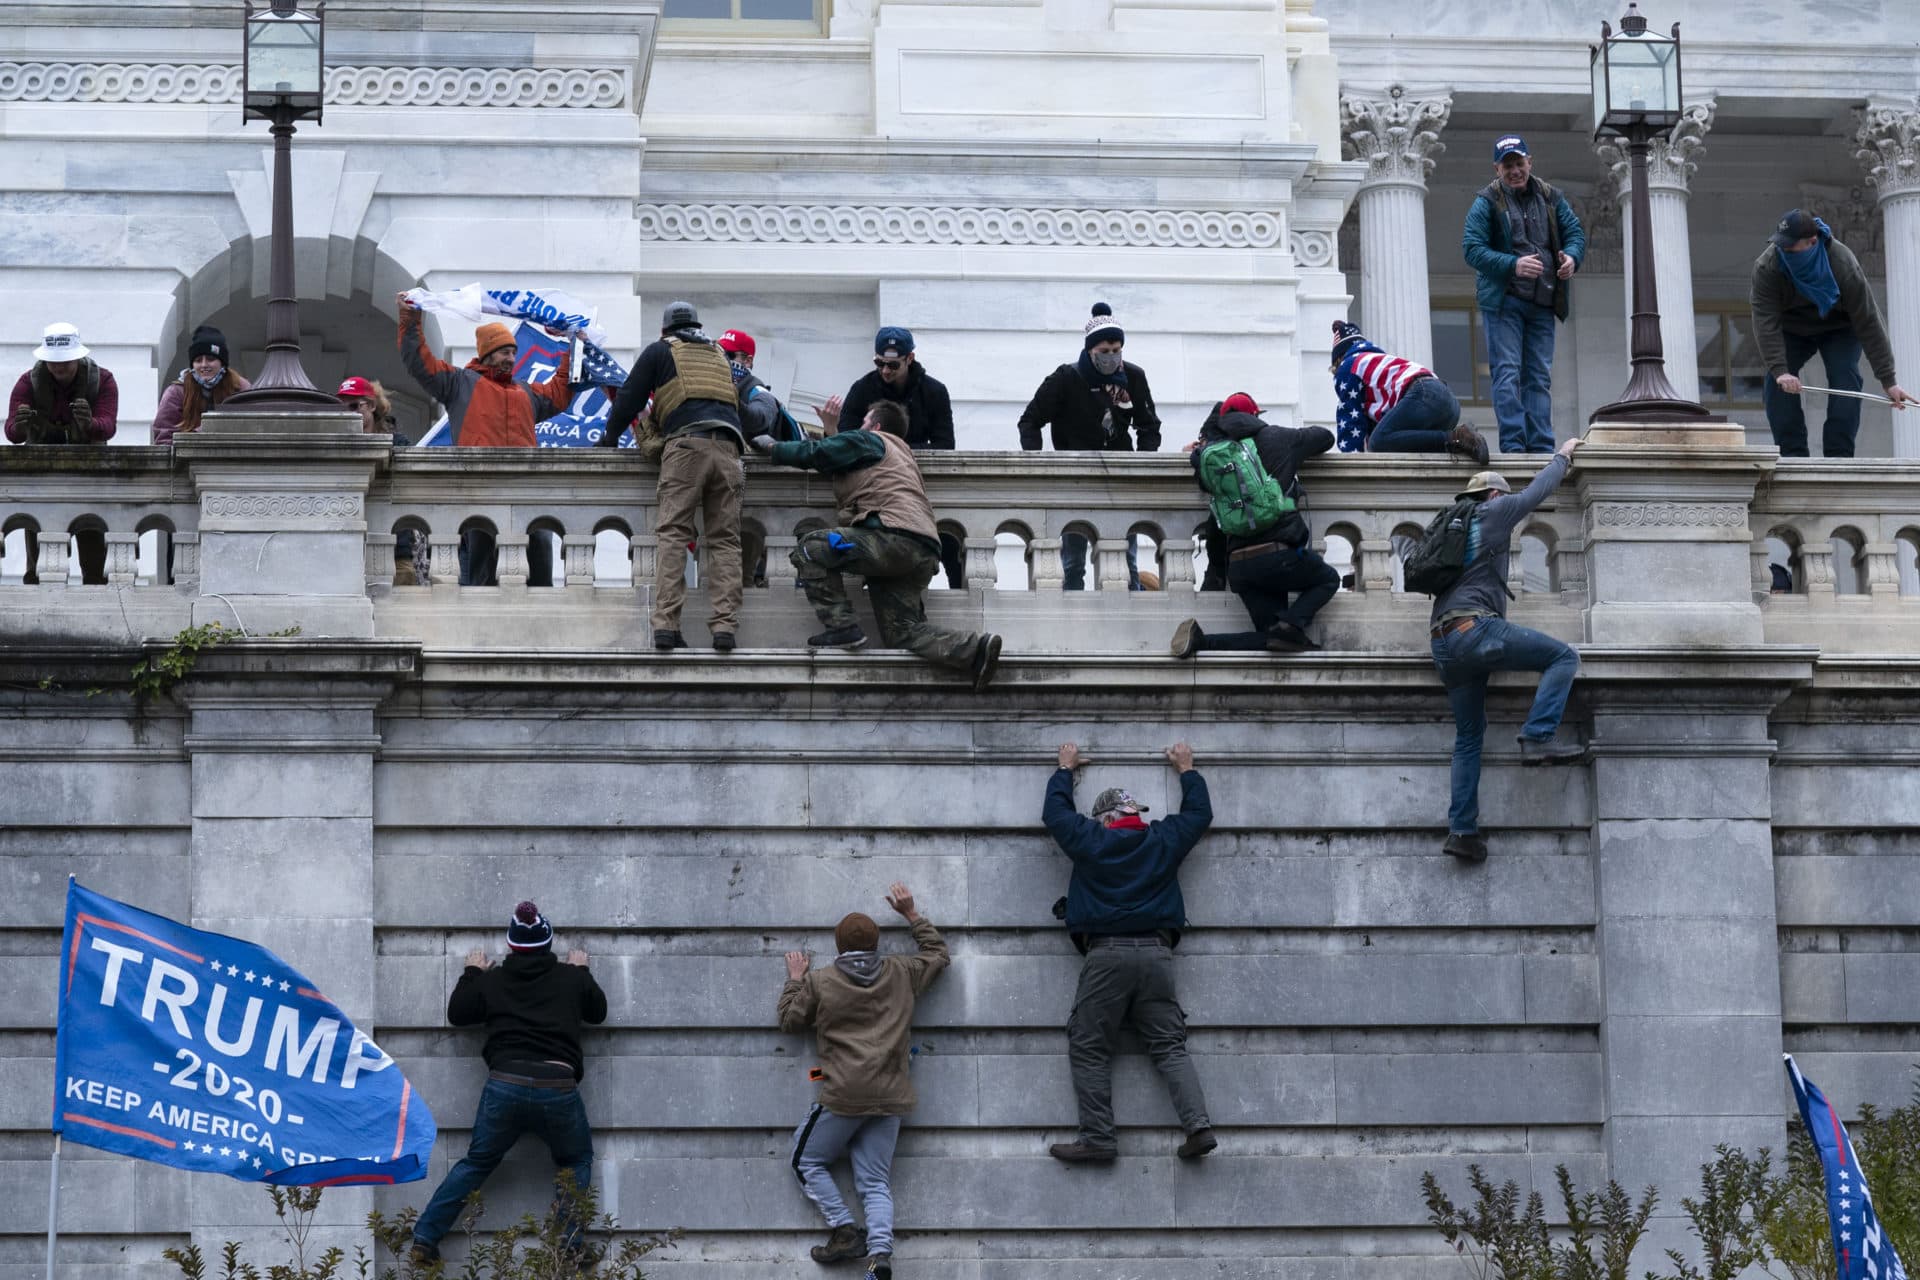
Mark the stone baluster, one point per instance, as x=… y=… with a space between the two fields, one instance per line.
x=1375 y=570
x=1569 y=558
x=1397 y=133
x=780 y=575
x=443 y=557
x=511 y=566
x=1888 y=147
x=1110 y=556
x=186 y=562
x=646 y=558
x=1176 y=564
x=123 y=559
x=576 y=553
x=54 y=549
x=983 y=570
x=1670 y=167
x=1762 y=571
x=1043 y=565
x=379 y=557
x=1882 y=569
x=1816 y=570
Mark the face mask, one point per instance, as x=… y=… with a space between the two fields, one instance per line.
x=208 y=384
x=1107 y=362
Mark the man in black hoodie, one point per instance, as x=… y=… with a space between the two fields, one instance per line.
x=1276 y=572
x=533 y=1007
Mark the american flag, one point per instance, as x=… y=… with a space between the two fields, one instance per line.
x=1861 y=1249
x=1367 y=384
x=601 y=369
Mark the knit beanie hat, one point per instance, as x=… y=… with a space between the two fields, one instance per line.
x=209 y=341
x=1344 y=336
x=1240 y=402
x=856 y=932
x=528 y=930
x=1103 y=327
x=491 y=337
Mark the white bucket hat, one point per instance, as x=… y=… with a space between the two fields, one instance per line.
x=61 y=342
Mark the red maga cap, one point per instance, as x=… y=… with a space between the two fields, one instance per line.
x=735 y=341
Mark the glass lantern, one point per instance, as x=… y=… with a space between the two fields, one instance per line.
x=1636 y=78
x=285 y=60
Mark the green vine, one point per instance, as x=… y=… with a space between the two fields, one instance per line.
x=156 y=676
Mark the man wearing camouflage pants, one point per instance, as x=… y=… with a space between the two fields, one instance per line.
x=887 y=535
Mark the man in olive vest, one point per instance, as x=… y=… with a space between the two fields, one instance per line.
x=697 y=412
x=887 y=535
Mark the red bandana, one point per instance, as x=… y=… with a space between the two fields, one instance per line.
x=1128 y=822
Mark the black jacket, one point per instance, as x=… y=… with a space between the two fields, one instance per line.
x=1077 y=411
x=1125 y=881
x=929 y=408
x=1282 y=450
x=532 y=1005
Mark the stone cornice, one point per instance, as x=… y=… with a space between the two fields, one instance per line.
x=968 y=225
x=1396 y=131
x=1278 y=162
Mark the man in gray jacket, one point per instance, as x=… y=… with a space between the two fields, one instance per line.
x=1810 y=298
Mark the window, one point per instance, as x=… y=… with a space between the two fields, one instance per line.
x=767 y=17
x=1460 y=352
x=1731 y=370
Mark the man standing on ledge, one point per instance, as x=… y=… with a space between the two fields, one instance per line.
x=1125 y=914
x=887 y=535
x=533 y=1007
x=1524 y=243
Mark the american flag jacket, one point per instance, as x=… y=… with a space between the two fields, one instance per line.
x=1367 y=384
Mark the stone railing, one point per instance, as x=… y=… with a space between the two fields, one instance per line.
x=287 y=510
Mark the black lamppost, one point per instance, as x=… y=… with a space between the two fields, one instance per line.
x=1636 y=96
x=284 y=71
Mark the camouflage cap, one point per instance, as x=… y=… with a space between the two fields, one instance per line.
x=1116 y=799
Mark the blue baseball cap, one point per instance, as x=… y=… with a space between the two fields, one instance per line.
x=1507 y=144
x=893 y=341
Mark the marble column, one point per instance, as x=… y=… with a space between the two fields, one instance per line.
x=1888 y=140
x=1397 y=133
x=1670 y=167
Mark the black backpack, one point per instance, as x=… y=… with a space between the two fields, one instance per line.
x=1441 y=557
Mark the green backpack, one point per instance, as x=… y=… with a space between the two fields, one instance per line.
x=1244 y=499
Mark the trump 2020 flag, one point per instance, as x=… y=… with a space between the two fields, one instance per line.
x=1859 y=1247
x=207 y=1053
x=538 y=358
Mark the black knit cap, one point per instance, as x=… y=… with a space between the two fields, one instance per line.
x=528 y=930
x=209 y=341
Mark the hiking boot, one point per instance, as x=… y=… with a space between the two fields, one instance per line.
x=1468 y=846
x=986 y=661
x=1464 y=442
x=847 y=637
x=842 y=1244
x=723 y=641
x=1284 y=637
x=1078 y=1152
x=666 y=641
x=1186 y=638
x=1198 y=1144
x=1538 y=751
x=880 y=1266
x=422 y=1255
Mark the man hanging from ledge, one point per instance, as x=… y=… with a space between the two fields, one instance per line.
x=887 y=535
x=861 y=1010
x=1124 y=911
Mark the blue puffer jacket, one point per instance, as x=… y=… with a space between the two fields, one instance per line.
x=1126 y=881
x=1487 y=244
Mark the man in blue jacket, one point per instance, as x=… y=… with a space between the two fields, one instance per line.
x=1524 y=242
x=1125 y=913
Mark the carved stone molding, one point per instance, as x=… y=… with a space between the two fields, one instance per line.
x=1887 y=141
x=960 y=225
x=1396 y=132
x=282 y=506
x=1312 y=248
x=598 y=88
x=1671 y=161
x=1667 y=515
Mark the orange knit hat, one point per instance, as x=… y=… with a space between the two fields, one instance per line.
x=491 y=337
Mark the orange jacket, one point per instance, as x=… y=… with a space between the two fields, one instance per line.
x=484 y=408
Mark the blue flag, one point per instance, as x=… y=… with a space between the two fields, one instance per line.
x=1859 y=1248
x=203 y=1052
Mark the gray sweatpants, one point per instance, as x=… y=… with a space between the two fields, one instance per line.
x=823 y=1138
x=1128 y=982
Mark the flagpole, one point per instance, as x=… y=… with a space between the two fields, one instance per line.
x=53 y=1206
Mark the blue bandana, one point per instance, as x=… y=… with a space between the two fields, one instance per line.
x=1811 y=273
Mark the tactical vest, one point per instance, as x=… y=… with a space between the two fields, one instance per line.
x=891 y=489
x=700 y=372
x=44 y=387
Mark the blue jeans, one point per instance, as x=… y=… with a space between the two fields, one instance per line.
x=479 y=560
x=1073 y=562
x=555 y=1116
x=1283 y=586
x=1465 y=659
x=1427 y=411
x=1839 y=352
x=868 y=1141
x=1520 y=354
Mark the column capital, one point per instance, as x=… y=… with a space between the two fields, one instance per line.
x=1671 y=161
x=1396 y=130
x=1886 y=139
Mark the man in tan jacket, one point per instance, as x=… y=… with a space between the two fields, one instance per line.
x=861 y=1009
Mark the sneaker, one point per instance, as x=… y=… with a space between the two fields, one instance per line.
x=1198 y=1143
x=880 y=1266
x=1468 y=846
x=986 y=661
x=1464 y=442
x=1077 y=1152
x=1538 y=751
x=1186 y=638
x=847 y=637
x=723 y=641
x=843 y=1243
x=1284 y=637
x=666 y=641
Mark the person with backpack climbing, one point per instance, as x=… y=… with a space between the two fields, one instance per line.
x=1524 y=243
x=1249 y=470
x=1461 y=560
x=1389 y=404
